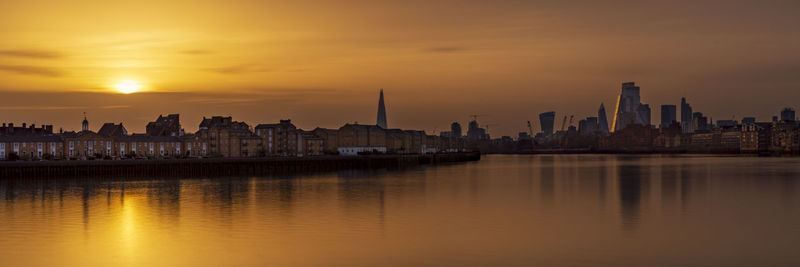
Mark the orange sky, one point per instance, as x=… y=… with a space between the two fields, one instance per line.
x=321 y=63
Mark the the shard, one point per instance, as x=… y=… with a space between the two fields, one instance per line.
x=381 y=112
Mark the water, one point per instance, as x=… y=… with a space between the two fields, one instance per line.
x=562 y=210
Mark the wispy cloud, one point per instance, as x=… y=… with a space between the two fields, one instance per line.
x=445 y=49
x=46 y=107
x=31 y=70
x=238 y=69
x=196 y=52
x=39 y=54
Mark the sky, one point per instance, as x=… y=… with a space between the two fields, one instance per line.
x=322 y=63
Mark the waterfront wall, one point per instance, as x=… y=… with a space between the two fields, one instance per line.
x=219 y=166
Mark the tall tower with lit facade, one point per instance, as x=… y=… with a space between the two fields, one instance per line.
x=629 y=108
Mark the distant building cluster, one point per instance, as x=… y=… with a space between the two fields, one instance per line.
x=631 y=130
x=218 y=136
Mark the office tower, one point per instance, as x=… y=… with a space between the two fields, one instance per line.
x=474 y=132
x=687 y=123
x=587 y=126
x=455 y=129
x=602 y=122
x=629 y=108
x=381 y=112
x=668 y=115
x=748 y=120
x=699 y=121
x=787 y=115
x=644 y=114
x=547 y=120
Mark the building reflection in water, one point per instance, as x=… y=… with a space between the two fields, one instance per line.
x=547 y=178
x=631 y=180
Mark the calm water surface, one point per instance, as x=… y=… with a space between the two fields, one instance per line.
x=549 y=210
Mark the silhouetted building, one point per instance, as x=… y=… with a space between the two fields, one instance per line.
x=633 y=138
x=787 y=115
x=687 y=121
x=228 y=138
x=587 y=126
x=668 y=115
x=748 y=120
x=629 y=108
x=455 y=129
x=756 y=137
x=279 y=139
x=700 y=122
x=382 y=113
x=10 y=129
x=111 y=129
x=359 y=138
x=165 y=126
x=670 y=138
x=785 y=138
x=727 y=124
x=546 y=121
x=476 y=133
x=602 y=121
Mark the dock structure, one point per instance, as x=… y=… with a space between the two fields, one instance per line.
x=213 y=167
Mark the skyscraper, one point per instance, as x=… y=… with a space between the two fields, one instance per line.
x=644 y=113
x=382 y=112
x=700 y=122
x=668 y=115
x=687 y=122
x=587 y=126
x=787 y=115
x=455 y=129
x=546 y=121
x=602 y=121
x=629 y=108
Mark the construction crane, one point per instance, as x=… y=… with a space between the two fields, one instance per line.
x=530 y=129
x=487 y=127
x=475 y=116
x=563 y=122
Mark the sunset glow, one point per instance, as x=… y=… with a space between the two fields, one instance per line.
x=128 y=87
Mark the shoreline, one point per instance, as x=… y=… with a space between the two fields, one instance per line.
x=213 y=167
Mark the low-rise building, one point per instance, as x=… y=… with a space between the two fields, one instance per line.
x=359 y=138
x=756 y=138
x=279 y=139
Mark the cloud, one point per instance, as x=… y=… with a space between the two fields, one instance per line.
x=31 y=70
x=46 y=107
x=238 y=69
x=445 y=49
x=39 y=54
x=196 y=52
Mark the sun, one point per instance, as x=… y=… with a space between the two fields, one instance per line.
x=128 y=87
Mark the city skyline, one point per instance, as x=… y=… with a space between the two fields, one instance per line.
x=381 y=111
x=306 y=60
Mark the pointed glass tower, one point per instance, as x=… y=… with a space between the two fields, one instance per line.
x=381 y=112
x=602 y=121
